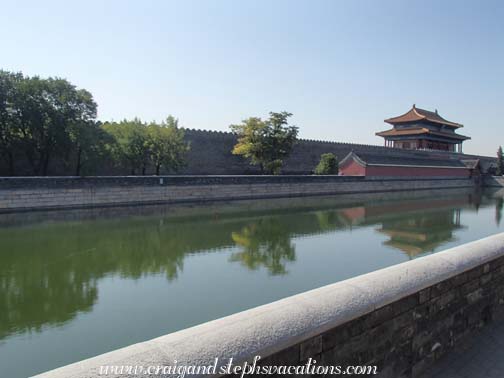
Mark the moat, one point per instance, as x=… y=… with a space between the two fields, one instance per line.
x=77 y=283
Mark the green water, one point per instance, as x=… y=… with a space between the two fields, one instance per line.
x=74 y=284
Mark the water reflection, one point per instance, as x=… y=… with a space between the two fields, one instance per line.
x=499 y=205
x=264 y=243
x=50 y=270
x=422 y=233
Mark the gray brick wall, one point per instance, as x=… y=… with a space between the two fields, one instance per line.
x=210 y=153
x=405 y=337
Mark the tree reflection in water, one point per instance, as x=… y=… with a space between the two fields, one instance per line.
x=499 y=205
x=50 y=275
x=265 y=243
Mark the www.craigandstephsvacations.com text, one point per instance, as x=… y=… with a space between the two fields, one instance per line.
x=177 y=370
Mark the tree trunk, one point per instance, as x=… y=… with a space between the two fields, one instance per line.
x=45 y=165
x=78 y=168
x=143 y=170
x=158 y=167
x=31 y=160
x=10 y=157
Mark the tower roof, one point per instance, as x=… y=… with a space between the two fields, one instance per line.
x=417 y=114
x=421 y=131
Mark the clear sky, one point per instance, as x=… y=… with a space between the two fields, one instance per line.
x=340 y=66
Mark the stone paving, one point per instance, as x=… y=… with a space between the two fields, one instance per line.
x=482 y=356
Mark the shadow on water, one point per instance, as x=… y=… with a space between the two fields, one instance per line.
x=51 y=263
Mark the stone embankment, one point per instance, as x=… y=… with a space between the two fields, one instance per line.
x=36 y=193
x=494 y=181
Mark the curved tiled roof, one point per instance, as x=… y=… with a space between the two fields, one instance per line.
x=390 y=160
x=420 y=130
x=417 y=114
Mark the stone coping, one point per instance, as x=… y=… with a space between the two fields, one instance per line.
x=273 y=327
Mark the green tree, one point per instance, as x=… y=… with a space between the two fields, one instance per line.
x=166 y=145
x=9 y=119
x=130 y=146
x=266 y=142
x=90 y=149
x=500 y=162
x=52 y=109
x=328 y=165
x=38 y=117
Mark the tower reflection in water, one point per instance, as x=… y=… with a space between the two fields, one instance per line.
x=422 y=233
x=415 y=227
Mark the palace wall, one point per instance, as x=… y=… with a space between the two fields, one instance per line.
x=210 y=154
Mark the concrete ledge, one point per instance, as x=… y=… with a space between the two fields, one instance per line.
x=371 y=301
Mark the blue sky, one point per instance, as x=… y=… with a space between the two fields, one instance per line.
x=340 y=66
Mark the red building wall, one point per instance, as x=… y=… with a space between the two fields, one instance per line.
x=352 y=168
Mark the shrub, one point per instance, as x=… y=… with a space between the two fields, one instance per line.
x=328 y=165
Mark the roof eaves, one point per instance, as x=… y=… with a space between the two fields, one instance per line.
x=415 y=166
x=352 y=155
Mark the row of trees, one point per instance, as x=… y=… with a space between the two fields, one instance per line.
x=48 y=120
x=44 y=118
x=138 y=145
x=51 y=121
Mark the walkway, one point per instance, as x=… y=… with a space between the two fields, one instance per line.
x=481 y=357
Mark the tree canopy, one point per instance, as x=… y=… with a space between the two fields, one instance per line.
x=137 y=145
x=266 y=142
x=50 y=122
x=129 y=148
x=328 y=165
x=166 y=145
x=43 y=118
